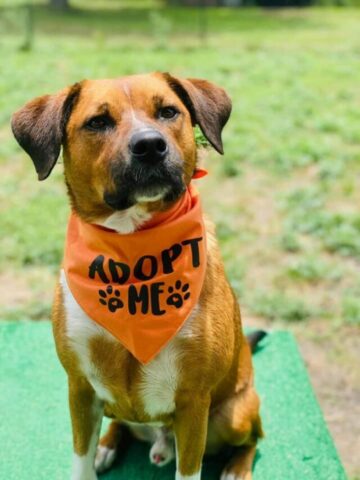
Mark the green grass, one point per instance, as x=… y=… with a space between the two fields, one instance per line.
x=285 y=196
x=277 y=306
x=298 y=448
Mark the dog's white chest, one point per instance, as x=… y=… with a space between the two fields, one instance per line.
x=159 y=381
x=160 y=377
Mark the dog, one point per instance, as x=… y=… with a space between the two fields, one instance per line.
x=182 y=364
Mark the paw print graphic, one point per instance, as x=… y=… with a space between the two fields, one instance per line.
x=178 y=294
x=111 y=298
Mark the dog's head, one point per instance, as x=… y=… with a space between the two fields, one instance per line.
x=125 y=141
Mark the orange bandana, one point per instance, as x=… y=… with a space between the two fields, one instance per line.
x=142 y=286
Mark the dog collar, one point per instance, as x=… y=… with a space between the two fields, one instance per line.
x=142 y=286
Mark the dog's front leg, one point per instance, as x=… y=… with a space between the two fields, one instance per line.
x=86 y=414
x=190 y=429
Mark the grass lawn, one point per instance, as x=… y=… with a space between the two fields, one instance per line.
x=285 y=196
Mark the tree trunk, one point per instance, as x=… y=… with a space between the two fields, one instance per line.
x=59 y=4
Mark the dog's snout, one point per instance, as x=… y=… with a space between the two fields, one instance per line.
x=148 y=146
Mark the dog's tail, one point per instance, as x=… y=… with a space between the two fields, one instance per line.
x=254 y=338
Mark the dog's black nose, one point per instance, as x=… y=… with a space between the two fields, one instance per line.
x=148 y=146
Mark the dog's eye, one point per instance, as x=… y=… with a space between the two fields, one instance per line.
x=99 y=123
x=167 y=112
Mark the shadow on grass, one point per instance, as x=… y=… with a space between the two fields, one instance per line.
x=134 y=464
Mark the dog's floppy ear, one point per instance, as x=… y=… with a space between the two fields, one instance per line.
x=39 y=127
x=208 y=104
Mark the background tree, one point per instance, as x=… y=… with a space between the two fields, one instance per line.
x=59 y=4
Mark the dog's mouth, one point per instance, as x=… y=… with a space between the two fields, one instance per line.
x=146 y=184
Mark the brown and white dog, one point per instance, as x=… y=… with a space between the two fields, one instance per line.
x=200 y=386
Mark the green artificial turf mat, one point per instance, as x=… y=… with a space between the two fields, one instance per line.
x=35 y=434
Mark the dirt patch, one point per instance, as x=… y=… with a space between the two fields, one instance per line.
x=26 y=294
x=332 y=361
x=331 y=355
x=14 y=289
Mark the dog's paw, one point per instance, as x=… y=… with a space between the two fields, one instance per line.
x=84 y=476
x=104 y=459
x=228 y=474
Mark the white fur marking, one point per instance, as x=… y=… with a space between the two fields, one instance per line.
x=135 y=120
x=159 y=382
x=229 y=476
x=151 y=198
x=104 y=458
x=80 y=329
x=82 y=469
x=187 y=330
x=196 y=476
x=160 y=376
x=126 y=221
